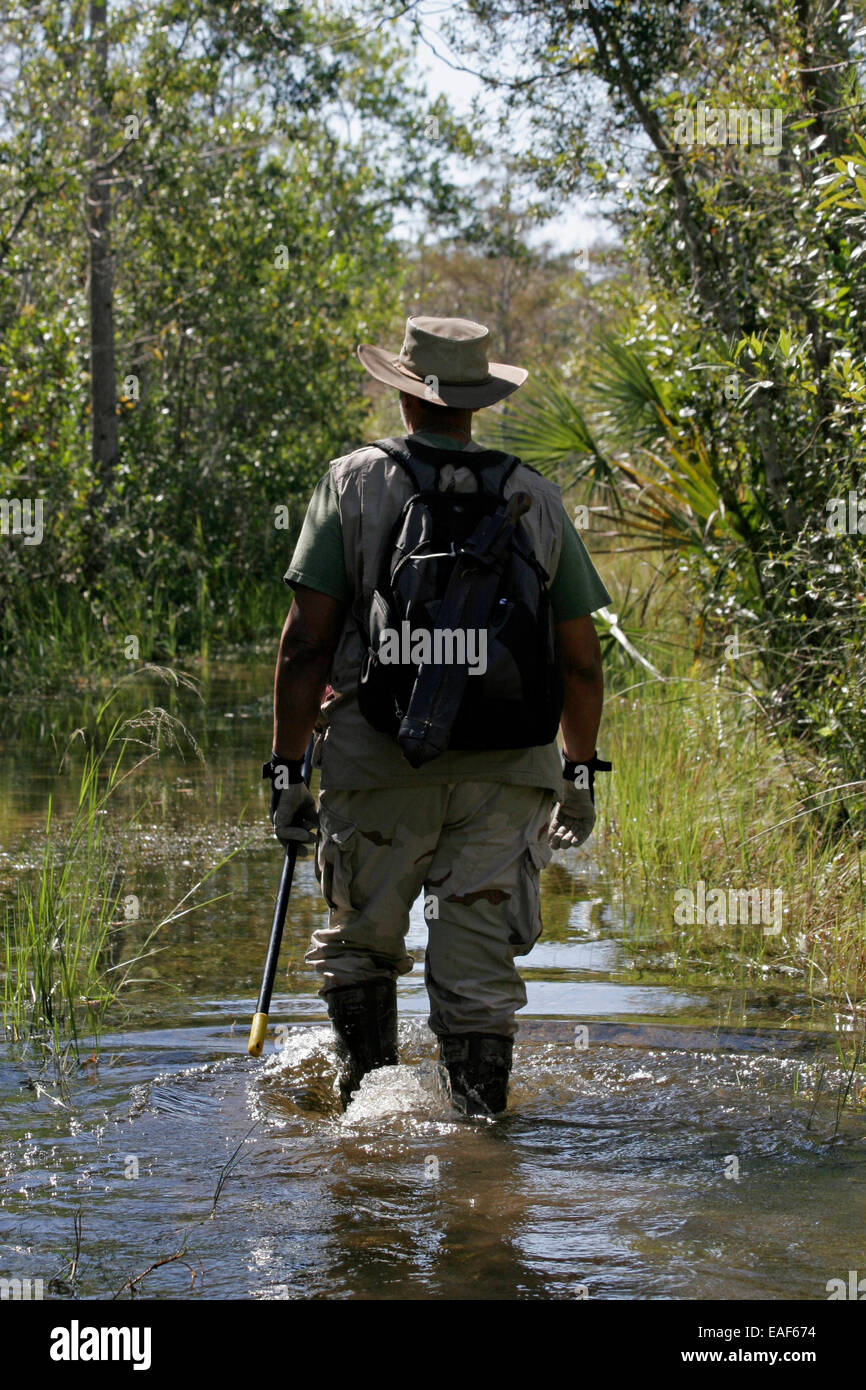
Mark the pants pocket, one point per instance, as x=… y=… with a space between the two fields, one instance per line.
x=335 y=856
x=528 y=925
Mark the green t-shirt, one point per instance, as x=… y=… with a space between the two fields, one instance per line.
x=317 y=562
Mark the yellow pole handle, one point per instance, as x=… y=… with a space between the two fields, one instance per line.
x=258 y=1029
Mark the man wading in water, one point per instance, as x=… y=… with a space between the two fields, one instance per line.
x=440 y=769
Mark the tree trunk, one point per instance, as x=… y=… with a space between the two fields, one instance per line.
x=103 y=393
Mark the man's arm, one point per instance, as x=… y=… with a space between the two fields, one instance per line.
x=307 y=647
x=580 y=659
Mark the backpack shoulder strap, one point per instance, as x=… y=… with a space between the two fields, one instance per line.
x=422 y=474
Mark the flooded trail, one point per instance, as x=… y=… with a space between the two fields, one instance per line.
x=617 y=1173
x=669 y=1135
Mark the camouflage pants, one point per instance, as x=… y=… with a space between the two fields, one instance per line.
x=476 y=849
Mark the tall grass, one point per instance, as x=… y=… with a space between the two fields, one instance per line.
x=58 y=940
x=705 y=787
x=66 y=637
x=63 y=960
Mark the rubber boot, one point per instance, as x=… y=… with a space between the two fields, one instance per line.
x=364 y=1019
x=479 y=1065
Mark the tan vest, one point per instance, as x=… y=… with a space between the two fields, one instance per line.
x=371 y=491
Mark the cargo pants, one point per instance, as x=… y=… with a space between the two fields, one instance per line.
x=477 y=850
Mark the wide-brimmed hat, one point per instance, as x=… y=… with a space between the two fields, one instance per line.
x=444 y=361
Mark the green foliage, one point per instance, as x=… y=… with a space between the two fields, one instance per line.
x=728 y=408
x=252 y=243
x=547 y=429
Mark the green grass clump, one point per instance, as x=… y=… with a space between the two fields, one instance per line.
x=63 y=936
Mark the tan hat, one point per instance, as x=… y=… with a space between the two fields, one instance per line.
x=444 y=361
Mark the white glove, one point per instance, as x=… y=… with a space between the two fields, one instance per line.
x=573 y=818
x=574 y=813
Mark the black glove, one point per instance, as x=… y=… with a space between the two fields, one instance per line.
x=293 y=811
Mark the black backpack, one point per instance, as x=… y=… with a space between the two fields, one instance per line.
x=459 y=636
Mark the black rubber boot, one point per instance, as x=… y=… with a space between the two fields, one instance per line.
x=479 y=1065
x=364 y=1019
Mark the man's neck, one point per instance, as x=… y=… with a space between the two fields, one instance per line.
x=460 y=437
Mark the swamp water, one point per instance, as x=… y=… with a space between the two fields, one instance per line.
x=654 y=1148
